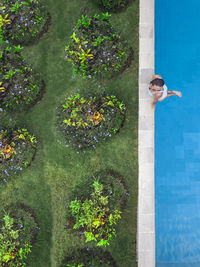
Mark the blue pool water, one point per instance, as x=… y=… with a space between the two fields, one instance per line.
x=177 y=134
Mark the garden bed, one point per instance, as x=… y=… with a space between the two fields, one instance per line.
x=17 y=150
x=95 y=206
x=87 y=121
x=28 y=20
x=96 y=48
x=18 y=229
x=20 y=86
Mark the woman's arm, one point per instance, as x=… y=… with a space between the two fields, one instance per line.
x=156 y=97
x=171 y=93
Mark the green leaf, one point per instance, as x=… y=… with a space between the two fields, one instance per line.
x=89 y=236
x=110 y=103
x=103 y=242
x=66 y=47
x=96 y=16
x=6 y=257
x=68 y=122
x=105 y=16
x=8 y=48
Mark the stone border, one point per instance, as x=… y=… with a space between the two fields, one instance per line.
x=146 y=199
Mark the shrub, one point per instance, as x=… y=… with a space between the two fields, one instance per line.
x=4 y=21
x=89 y=257
x=19 y=85
x=87 y=121
x=113 y=4
x=95 y=207
x=96 y=48
x=27 y=19
x=17 y=231
x=17 y=149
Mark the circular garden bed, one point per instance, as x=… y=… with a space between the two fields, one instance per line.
x=24 y=21
x=17 y=150
x=18 y=231
x=20 y=87
x=95 y=206
x=86 y=257
x=95 y=47
x=87 y=121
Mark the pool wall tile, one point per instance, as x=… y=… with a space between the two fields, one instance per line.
x=145 y=107
x=145 y=155
x=146 y=123
x=144 y=73
x=146 y=138
x=146 y=193
x=146 y=241
x=146 y=258
x=146 y=31
x=146 y=221
x=146 y=11
x=144 y=93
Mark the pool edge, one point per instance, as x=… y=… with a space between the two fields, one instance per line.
x=146 y=191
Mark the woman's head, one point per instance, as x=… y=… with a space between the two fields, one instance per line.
x=158 y=82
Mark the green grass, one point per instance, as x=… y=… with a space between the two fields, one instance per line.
x=44 y=185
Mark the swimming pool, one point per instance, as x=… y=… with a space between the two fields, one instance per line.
x=177 y=134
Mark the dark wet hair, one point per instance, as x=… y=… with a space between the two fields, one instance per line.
x=158 y=82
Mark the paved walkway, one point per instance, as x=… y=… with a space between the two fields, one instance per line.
x=146 y=199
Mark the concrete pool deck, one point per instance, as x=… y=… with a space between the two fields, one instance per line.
x=146 y=194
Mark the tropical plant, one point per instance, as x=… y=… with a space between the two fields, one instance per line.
x=17 y=148
x=95 y=206
x=95 y=217
x=86 y=121
x=21 y=85
x=29 y=19
x=17 y=231
x=95 y=48
x=10 y=253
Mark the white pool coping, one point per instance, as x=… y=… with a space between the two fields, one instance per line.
x=146 y=194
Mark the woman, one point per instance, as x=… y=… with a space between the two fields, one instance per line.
x=158 y=90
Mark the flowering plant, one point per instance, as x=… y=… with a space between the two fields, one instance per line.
x=96 y=207
x=27 y=19
x=95 y=47
x=87 y=121
x=17 y=149
x=19 y=85
x=17 y=231
x=95 y=217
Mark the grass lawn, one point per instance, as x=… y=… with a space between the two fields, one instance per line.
x=44 y=185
